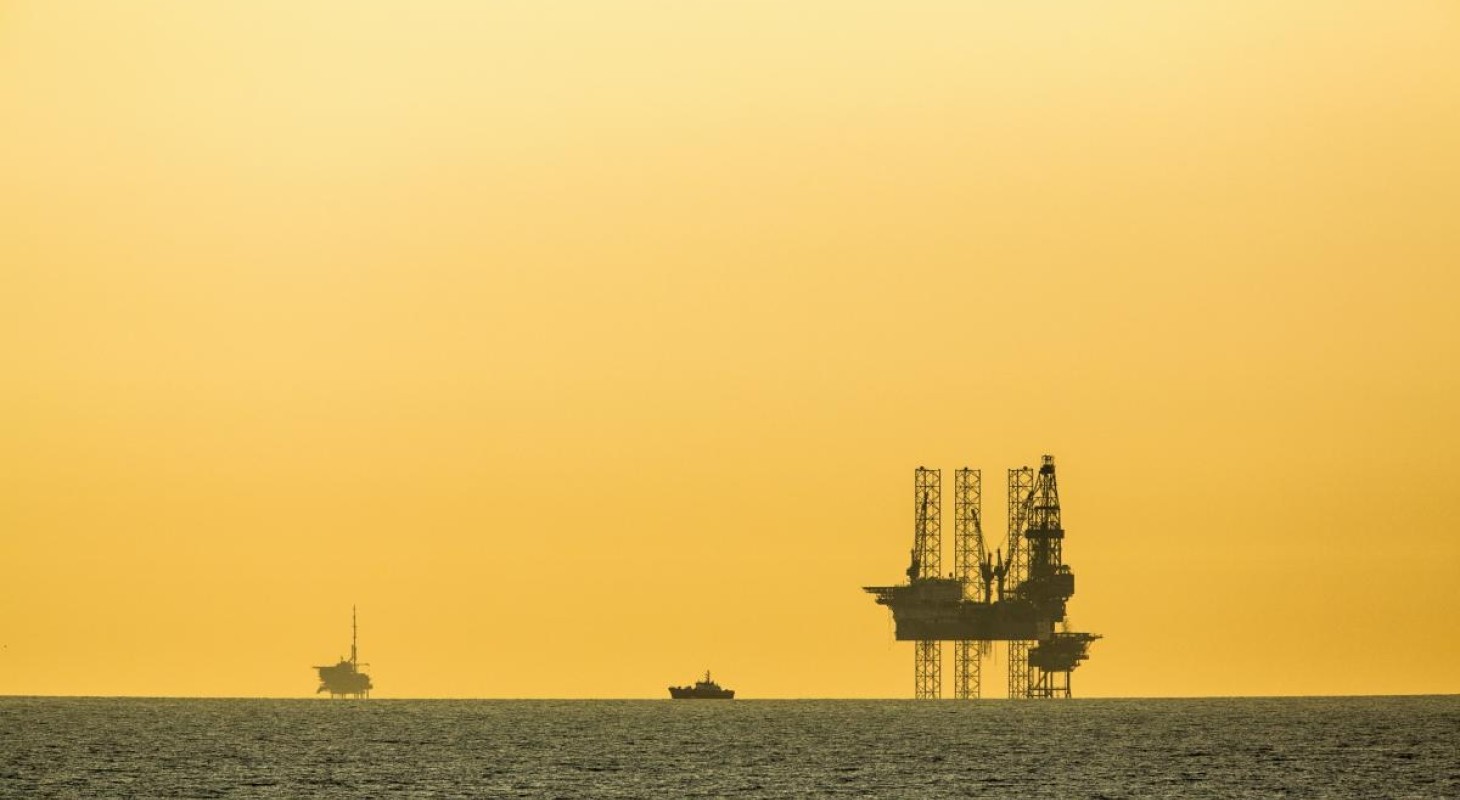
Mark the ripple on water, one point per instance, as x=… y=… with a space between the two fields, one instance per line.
x=1318 y=748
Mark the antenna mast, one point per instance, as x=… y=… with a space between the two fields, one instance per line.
x=354 y=659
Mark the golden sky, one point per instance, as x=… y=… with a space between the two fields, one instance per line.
x=589 y=345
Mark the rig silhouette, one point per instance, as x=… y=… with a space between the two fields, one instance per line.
x=1017 y=596
x=345 y=678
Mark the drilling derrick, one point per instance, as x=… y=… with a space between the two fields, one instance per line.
x=969 y=555
x=1018 y=596
x=1050 y=584
x=927 y=564
x=1021 y=484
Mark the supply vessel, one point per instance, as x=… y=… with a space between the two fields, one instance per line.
x=702 y=690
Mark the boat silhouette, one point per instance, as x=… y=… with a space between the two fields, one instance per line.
x=702 y=690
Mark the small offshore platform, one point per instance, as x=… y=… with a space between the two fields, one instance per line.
x=1018 y=595
x=345 y=678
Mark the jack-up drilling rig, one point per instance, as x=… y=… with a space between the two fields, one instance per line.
x=1017 y=596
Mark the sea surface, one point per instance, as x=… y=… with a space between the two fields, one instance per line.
x=1368 y=747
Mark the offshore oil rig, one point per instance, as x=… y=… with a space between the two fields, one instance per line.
x=1017 y=595
x=345 y=678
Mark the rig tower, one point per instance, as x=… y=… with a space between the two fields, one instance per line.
x=927 y=560
x=969 y=555
x=1021 y=484
x=1018 y=596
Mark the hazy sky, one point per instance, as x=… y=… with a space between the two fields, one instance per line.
x=589 y=345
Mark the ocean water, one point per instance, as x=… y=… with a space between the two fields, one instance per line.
x=1375 y=747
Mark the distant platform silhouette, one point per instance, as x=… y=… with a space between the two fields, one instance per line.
x=345 y=678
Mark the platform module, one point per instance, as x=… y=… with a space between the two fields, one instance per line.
x=1017 y=595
